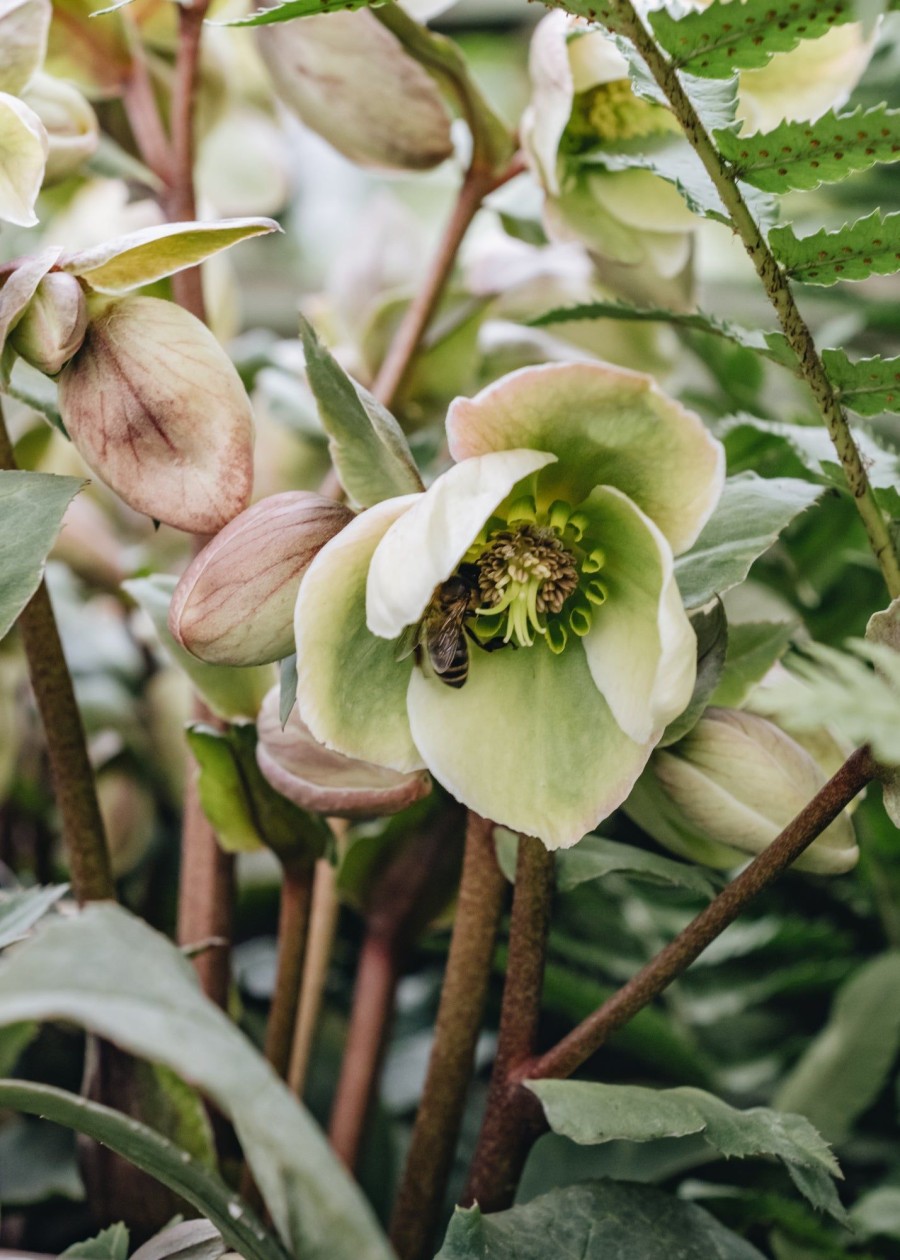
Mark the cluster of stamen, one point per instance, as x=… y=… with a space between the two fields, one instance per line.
x=529 y=558
x=610 y=113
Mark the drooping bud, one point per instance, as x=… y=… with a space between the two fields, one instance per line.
x=326 y=782
x=728 y=788
x=53 y=326
x=232 y=608
x=350 y=80
x=157 y=409
x=70 y=122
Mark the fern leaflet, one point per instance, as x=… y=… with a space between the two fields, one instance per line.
x=870 y=246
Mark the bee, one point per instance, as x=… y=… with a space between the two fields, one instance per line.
x=441 y=635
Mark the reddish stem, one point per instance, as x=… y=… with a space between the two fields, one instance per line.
x=293 y=921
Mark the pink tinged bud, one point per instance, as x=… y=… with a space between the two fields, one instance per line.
x=326 y=782
x=235 y=603
x=157 y=409
x=54 y=324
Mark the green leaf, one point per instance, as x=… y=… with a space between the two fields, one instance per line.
x=107 y=971
x=811 y=445
x=870 y=246
x=157 y=1156
x=869 y=386
x=287 y=687
x=845 y=1067
x=29 y=386
x=127 y=262
x=109 y=1244
x=712 y=43
x=368 y=448
x=19 y=911
x=710 y=625
x=589 y=1113
x=751 y=514
x=13 y=1040
x=32 y=506
x=188 y=1240
x=595 y=1220
x=803 y=155
x=245 y=811
x=753 y=648
x=595 y=857
x=877 y=1212
x=231 y=691
x=297 y=8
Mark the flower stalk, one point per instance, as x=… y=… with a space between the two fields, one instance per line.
x=293 y=924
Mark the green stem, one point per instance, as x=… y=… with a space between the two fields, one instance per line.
x=777 y=288
x=293 y=922
x=510 y=1119
x=492 y=1187
x=463 y=997
x=83 y=832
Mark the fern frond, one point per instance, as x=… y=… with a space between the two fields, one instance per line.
x=870 y=246
x=732 y=35
x=802 y=155
x=869 y=386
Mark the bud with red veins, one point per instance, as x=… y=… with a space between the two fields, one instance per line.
x=235 y=603
x=53 y=325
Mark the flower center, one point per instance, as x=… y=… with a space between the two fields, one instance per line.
x=610 y=113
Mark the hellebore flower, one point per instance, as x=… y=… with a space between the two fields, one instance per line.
x=731 y=785
x=23 y=137
x=517 y=628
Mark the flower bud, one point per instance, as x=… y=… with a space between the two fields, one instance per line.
x=231 y=607
x=728 y=788
x=155 y=406
x=326 y=782
x=350 y=80
x=53 y=325
x=70 y=122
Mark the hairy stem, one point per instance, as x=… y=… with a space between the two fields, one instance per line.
x=491 y=1188
x=293 y=921
x=181 y=202
x=463 y=999
x=507 y=1112
x=83 y=832
x=777 y=288
x=398 y=361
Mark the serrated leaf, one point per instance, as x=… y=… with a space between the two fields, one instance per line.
x=297 y=8
x=869 y=386
x=870 y=246
x=108 y=972
x=369 y=450
x=595 y=1220
x=589 y=1113
x=230 y=691
x=812 y=446
x=32 y=506
x=109 y=1244
x=753 y=648
x=750 y=515
x=714 y=100
x=803 y=155
x=127 y=262
x=19 y=911
x=844 y=1068
x=157 y=1156
x=595 y=857
x=730 y=35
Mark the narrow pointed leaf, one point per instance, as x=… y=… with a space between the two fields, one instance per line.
x=595 y=857
x=714 y=41
x=127 y=262
x=32 y=506
x=803 y=155
x=19 y=911
x=869 y=386
x=152 y=1153
x=297 y=8
x=369 y=450
x=870 y=246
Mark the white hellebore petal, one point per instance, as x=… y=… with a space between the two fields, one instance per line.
x=155 y=406
x=23 y=155
x=24 y=25
x=349 y=79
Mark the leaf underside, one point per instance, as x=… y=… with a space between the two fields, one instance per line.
x=870 y=246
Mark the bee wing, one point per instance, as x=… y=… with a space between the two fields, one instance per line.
x=407 y=643
x=444 y=641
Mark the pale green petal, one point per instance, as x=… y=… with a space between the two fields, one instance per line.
x=527 y=741
x=351 y=691
x=428 y=541
x=817 y=75
x=23 y=41
x=551 y=101
x=644 y=200
x=641 y=651
x=608 y=426
x=23 y=155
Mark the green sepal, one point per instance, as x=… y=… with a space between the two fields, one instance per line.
x=245 y=812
